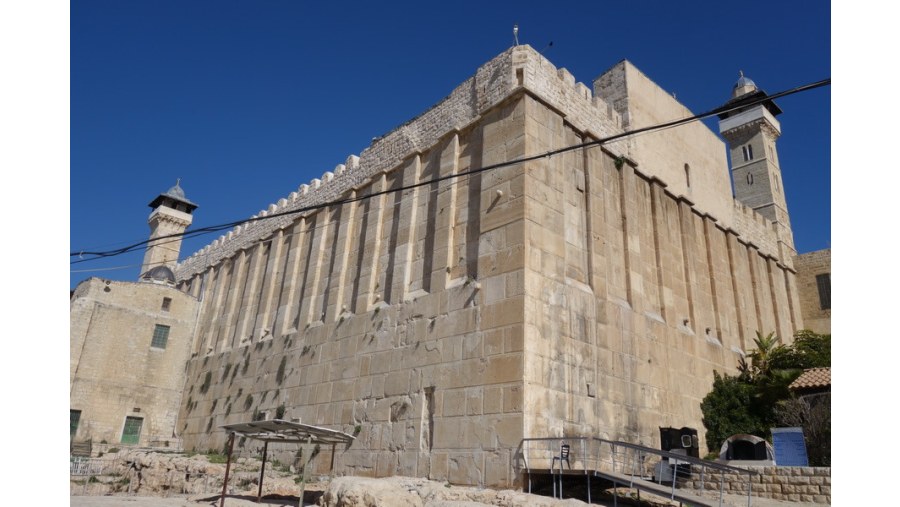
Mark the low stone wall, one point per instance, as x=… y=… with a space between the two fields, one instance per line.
x=795 y=484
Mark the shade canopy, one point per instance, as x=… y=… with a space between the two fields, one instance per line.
x=277 y=430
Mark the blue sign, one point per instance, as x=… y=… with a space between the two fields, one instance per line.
x=790 y=447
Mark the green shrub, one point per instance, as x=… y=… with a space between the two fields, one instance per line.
x=216 y=457
x=749 y=402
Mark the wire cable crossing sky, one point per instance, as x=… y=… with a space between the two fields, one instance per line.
x=246 y=100
x=338 y=202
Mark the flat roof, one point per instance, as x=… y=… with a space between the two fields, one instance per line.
x=277 y=430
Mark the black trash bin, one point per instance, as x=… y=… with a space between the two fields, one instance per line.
x=680 y=441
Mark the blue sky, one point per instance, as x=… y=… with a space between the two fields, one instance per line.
x=245 y=101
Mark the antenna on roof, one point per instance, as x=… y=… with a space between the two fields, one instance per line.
x=516 y=34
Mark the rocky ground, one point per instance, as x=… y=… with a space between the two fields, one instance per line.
x=146 y=479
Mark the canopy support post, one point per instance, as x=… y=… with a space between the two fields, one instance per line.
x=227 y=468
x=304 y=475
x=262 y=470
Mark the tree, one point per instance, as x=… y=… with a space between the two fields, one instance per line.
x=766 y=347
x=809 y=350
x=727 y=410
x=753 y=401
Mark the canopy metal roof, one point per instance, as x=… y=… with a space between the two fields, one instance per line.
x=277 y=430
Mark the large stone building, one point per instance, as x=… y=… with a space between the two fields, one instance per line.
x=587 y=292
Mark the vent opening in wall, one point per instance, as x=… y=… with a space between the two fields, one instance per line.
x=749 y=178
x=426 y=442
x=687 y=175
x=823 y=284
x=520 y=76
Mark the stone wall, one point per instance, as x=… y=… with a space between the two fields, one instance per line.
x=396 y=319
x=441 y=324
x=809 y=265
x=795 y=484
x=690 y=159
x=633 y=295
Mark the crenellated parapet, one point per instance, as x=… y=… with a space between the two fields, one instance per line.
x=759 y=231
x=320 y=190
x=518 y=68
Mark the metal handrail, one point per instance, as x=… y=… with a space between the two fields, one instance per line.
x=592 y=457
x=680 y=457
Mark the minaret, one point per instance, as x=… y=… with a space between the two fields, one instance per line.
x=751 y=131
x=171 y=215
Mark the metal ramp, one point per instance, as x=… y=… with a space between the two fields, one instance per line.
x=625 y=464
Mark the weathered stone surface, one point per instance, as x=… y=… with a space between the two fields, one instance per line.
x=591 y=292
x=362 y=492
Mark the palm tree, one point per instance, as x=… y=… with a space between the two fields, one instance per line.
x=765 y=347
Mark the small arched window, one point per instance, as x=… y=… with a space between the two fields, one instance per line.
x=749 y=178
x=687 y=174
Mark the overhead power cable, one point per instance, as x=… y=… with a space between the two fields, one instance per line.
x=599 y=142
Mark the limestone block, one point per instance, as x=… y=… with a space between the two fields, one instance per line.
x=504 y=431
x=472 y=346
x=397 y=383
x=493 y=341
x=447 y=433
x=504 y=313
x=408 y=463
x=493 y=400
x=474 y=401
x=465 y=468
x=454 y=403
x=513 y=338
x=439 y=466
x=512 y=399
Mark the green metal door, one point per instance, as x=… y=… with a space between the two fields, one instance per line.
x=131 y=433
